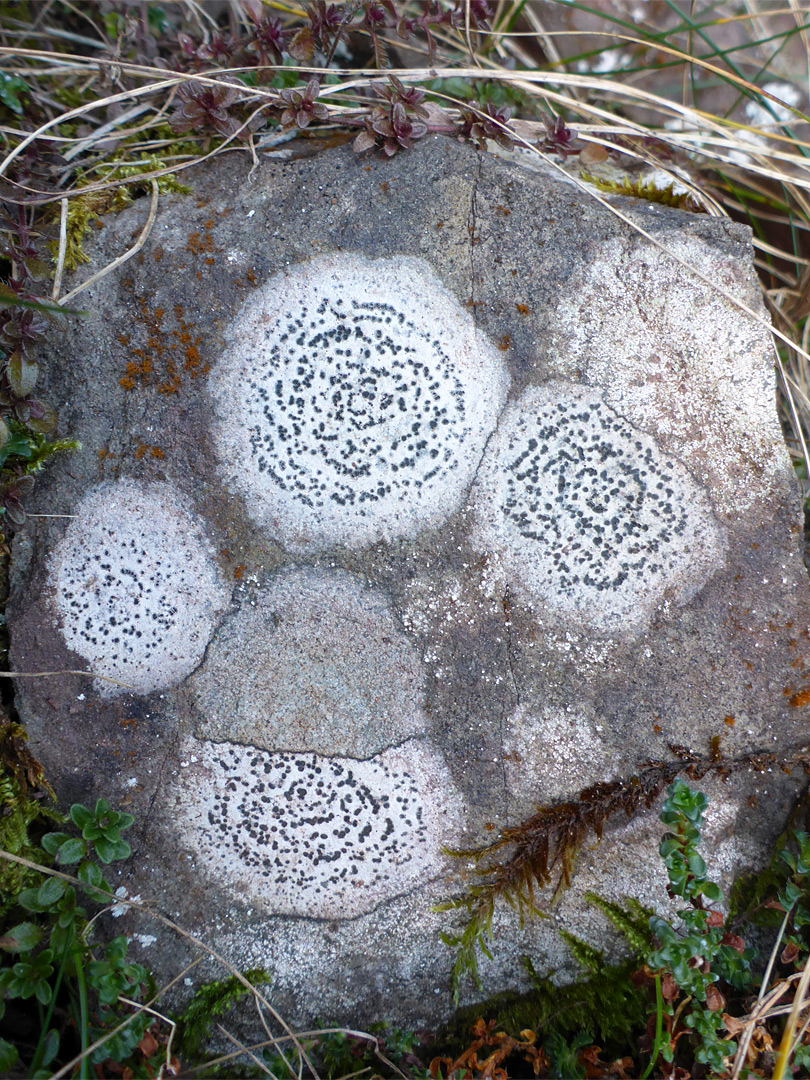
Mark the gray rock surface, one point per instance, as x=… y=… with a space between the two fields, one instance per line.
x=413 y=493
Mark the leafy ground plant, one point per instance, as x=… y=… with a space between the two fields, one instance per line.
x=81 y=993
x=711 y=1012
x=697 y=961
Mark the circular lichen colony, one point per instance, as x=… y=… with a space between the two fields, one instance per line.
x=302 y=834
x=316 y=661
x=135 y=588
x=354 y=401
x=588 y=515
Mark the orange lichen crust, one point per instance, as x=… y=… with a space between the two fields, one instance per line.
x=167 y=353
x=802 y=697
x=153 y=451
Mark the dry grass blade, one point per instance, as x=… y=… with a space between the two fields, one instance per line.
x=787 y=1047
x=247 y=1052
x=764 y=1000
x=60 y=261
x=160 y=1016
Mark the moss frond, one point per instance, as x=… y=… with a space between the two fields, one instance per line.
x=211 y=1000
x=630 y=917
x=649 y=191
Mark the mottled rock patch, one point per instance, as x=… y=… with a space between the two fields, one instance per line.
x=587 y=515
x=315 y=661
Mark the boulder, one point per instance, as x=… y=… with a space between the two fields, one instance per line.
x=413 y=494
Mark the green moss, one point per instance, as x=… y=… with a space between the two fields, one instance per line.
x=211 y=1000
x=631 y=918
x=21 y=778
x=605 y=1003
x=84 y=210
x=119 y=169
x=750 y=892
x=648 y=191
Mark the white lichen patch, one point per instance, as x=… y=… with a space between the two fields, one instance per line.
x=316 y=662
x=354 y=401
x=135 y=588
x=678 y=360
x=587 y=515
x=552 y=753
x=303 y=834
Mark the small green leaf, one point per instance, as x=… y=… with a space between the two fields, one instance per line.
x=61 y=938
x=10 y=89
x=18 y=443
x=52 y=840
x=50 y=891
x=50 y=1047
x=712 y=891
x=80 y=815
x=697 y=865
x=72 y=851
x=23 y=937
x=29 y=899
x=22 y=374
x=108 y=850
x=90 y=873
x=8 y=1056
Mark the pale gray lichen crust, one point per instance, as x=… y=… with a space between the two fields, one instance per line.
x=587 y=515
x=354 y=401
x=315 y=661
x=303 y=834
x=135 y=588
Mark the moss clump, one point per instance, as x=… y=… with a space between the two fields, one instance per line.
x=22 y=785
x=648 y=190
x=211 y=1000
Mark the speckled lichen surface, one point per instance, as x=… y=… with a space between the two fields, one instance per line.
x=135 y=588
x=324 y=837
x=696 y=383
x=354 y=401
x=588 y=515
x=543 y=533
x=315 y=661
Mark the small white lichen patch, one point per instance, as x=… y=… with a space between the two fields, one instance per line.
x=354 y=401
x=775 y=113
x=303 y=834
x=587 y=515
x=552 y=753
x=135 y=588
x=319 y=663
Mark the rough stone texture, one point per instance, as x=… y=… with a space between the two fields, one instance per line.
x=603 y=565
x=315 y=662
